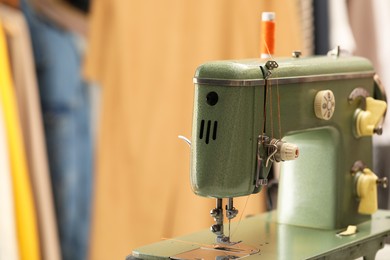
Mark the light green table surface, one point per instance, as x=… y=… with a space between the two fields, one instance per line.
x=279 y=241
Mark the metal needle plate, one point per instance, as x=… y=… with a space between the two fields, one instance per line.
x=218 y=252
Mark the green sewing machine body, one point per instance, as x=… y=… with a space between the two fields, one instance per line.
x=223 y=157
x=243 y=108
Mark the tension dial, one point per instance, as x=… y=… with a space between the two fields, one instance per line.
x=324 y=104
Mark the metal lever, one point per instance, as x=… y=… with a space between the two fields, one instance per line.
x=185 y=139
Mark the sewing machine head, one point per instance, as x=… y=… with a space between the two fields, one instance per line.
x=318 y=114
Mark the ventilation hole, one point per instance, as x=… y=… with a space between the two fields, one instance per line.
x=215 y=130
x=212 y=98
x=201 y=129
x=208 y=131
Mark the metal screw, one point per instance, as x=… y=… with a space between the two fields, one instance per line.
x=215 y=228
x=214 y=212
x=231 y=213
x=296 y=54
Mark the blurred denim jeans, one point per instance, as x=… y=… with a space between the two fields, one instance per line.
x=66 y=114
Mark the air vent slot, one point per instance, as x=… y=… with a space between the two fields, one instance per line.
x=215 y=130
x=208 y=131
x=201 y=129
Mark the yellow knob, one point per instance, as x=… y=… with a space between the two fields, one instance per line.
x=367 y=192
x=367 y=120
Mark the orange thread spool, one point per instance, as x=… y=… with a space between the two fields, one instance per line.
x=267 y=42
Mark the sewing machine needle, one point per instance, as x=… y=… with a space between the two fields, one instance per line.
x=229 y=229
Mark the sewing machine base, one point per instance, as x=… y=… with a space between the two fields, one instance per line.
x=279 y=241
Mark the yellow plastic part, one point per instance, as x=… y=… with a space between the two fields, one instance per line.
x=351 y=230
x=368 y=119
x=367 y=192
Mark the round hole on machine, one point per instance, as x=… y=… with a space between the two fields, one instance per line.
x=212 y=98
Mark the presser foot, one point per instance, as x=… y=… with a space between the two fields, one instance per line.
x=225 y=240
x=217 y=214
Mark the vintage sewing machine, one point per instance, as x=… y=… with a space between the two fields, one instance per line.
x=317 y=116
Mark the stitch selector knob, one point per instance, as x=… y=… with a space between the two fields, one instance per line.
x=324 y=104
